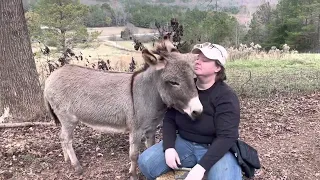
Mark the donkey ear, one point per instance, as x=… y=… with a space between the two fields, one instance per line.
x=169 y=46
x=152 y=60
x=161 y=65
x=148 y=57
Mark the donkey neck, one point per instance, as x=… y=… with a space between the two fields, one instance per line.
x=145 y=91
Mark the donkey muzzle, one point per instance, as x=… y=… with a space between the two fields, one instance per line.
x=194 y=108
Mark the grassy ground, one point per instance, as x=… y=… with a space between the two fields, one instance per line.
x=119 y=53
x=115 y=51
x=293 y=73
x=257 y=77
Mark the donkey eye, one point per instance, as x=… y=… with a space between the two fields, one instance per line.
x=173 y=83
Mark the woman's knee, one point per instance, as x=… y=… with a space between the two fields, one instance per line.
x=227 y=168
x=142 y=160
x=145 y=160
x=151 y=162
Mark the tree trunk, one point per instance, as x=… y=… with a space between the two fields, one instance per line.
x=62 y=29
x=63 y=40
x=318 y=34
x=216 y=5
x=20 y=89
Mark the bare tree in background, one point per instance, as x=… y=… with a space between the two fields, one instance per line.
x=20 y=91
x=174 y=31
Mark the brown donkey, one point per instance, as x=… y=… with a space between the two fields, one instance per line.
x=122 y=102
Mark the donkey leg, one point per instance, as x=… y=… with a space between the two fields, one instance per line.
x=150 y=138
x=62 y=141
x=64 y=148
x=66 y=137
x=134 y=140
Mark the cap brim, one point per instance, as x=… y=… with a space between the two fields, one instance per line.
x=196 y=51
x=203 y=51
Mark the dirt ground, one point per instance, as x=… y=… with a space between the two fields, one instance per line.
x=285 y=130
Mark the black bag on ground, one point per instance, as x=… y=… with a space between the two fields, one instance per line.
x=247 y=157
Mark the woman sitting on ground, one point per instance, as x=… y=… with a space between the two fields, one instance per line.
x=202 y=144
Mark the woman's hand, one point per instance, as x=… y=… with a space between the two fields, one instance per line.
x=196 y=173
x=172 y=158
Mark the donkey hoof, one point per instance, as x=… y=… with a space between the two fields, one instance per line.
x=78 y=170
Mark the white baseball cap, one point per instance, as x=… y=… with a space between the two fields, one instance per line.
x=211 y=51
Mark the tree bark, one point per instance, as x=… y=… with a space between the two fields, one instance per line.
x=318 y=44
x=63 y=40
x=20 y=89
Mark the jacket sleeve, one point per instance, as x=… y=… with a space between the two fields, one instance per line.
x=226 y=121
x=169 y=129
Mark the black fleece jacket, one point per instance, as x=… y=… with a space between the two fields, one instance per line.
x=217 y=126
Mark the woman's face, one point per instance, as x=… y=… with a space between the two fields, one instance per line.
x=205 y=67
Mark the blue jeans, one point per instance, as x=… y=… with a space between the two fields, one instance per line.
x=152 y=162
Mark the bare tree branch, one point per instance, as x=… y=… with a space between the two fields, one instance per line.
x=25 y=124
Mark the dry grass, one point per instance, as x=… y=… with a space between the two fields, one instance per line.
x=250 y=70
x=119 y=58
x=119 y=53
x=172 y=175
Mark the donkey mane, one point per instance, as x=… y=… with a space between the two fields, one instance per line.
x=144 y=68
x=92 y=69
x=162 y=49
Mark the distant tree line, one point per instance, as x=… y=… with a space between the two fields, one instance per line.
x=292 y=22
x=66 y=21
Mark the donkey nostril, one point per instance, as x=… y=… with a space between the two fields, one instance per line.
x=196 y=113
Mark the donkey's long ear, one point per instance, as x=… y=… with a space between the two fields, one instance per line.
x=169 y=46
x=149 y=58
x=167 y=43
x=153 y=60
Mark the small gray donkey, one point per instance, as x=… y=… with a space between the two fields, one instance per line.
x=122 y=102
